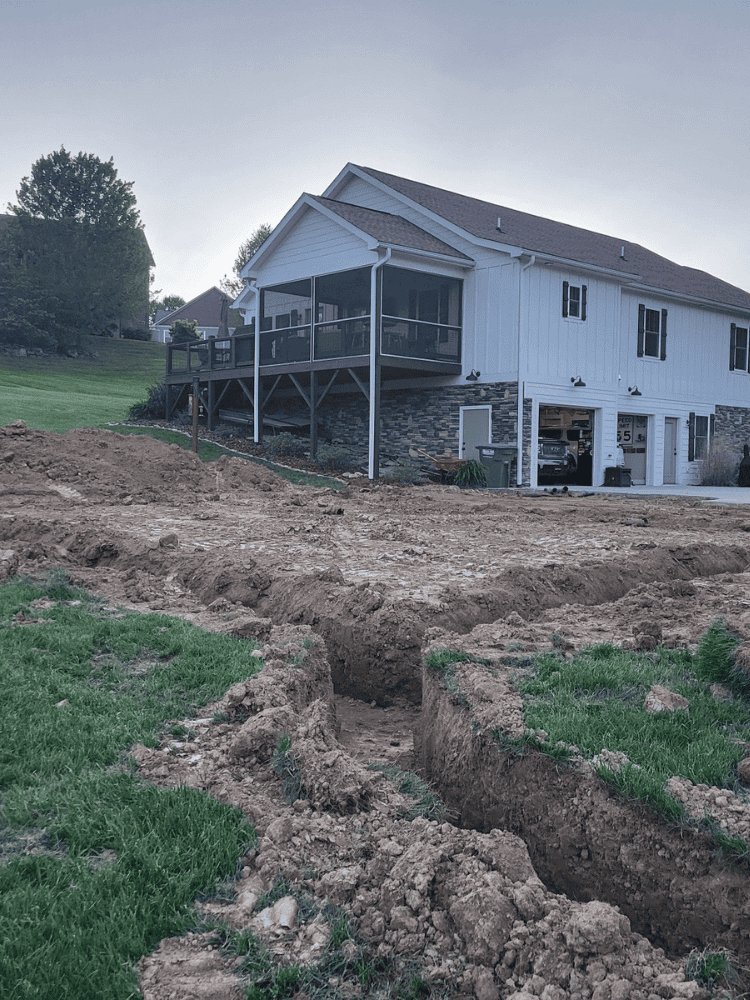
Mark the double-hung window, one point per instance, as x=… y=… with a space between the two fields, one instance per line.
x=652 y=333
x=700 y=435
x=738 y=349
x=574 y=301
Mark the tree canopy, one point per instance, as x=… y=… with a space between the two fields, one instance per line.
x=169 y=302
x=82 y=188
x=74 y=258
x=234 y=285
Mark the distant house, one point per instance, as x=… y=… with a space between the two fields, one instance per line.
x=204 y=309
x=400 y=317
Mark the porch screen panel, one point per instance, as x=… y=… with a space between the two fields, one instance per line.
x=286 y=323
x=421 y=315
x=342 y=314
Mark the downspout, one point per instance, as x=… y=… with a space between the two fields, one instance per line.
x=521 y=382
x=252 y=283
x=374 y=374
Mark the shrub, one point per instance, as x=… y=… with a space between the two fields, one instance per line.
x=405 y=473
x=154 y=408
x=334 y=456
x=721 y=466
x=183 y=331
x=471 y=476
x=285 y=444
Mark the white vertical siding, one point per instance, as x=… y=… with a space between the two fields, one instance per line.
x=316 y=245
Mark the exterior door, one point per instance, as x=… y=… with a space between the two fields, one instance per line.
x=670 y=449
x=475 y=428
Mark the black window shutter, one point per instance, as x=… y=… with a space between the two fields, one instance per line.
x=641 y=328
x=664 y=335
x=565 y=298
x=732 y=345
x=583 y=302
x=691 y=437
x=711 y=430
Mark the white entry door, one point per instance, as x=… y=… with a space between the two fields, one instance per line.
x=475 y=427
x=670 y=449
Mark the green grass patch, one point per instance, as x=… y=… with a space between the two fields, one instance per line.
x=425 y=802
x=56 y=393
x=71 y=926
x=208 y=451
x=595 y=701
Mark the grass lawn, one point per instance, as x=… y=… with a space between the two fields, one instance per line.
x=73 y=919
x=55 y=393
x=596 y=699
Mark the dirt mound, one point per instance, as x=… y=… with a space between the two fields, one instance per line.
x=95 y=465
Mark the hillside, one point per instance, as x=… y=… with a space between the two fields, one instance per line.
x=57 y=393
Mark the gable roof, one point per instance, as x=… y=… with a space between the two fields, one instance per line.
x=392 y=230
x=545 y=236
x=205 y=309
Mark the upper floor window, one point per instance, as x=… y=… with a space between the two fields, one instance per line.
x=652 y=333
x=574 y=301
x=738 y=349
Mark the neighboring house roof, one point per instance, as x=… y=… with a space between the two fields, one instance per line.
x=205 y=309
x=545 y=236
x=389 y=229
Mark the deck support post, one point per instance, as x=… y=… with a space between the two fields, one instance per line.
x=373 y=450
x=211 y=403
x=313 y=415
x=196 y=387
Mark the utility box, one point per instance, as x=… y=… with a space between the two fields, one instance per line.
x=616 y=476
x=497 y=460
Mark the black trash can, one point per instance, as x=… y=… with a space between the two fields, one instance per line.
x=496 y=460
x=616 y=476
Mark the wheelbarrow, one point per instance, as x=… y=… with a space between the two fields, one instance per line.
x=446 y=466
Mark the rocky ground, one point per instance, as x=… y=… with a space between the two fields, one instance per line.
x=360 y=581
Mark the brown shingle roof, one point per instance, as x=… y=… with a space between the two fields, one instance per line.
x=390 y=229
x=204 y=308
x=539 y=235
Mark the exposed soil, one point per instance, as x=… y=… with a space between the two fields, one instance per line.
x=373 y=572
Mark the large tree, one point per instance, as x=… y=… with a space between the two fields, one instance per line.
x=234 y=285
x=77 y=254
x=82 y=188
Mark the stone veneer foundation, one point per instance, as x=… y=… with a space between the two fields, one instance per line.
x=426 y=419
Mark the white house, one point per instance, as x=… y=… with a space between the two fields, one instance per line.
x=404 y=317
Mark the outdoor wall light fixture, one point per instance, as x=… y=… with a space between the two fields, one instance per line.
x=635 y=391
x=578 y=381
x=473 y=375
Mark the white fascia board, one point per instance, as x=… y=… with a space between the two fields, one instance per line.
x=442 y=258
x=664 y=293
x=569 y=264
x=304 y=202
x=244 y=299
x=350 y=169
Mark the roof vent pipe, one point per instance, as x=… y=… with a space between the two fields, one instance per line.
x=622 y=252
x=498 y=224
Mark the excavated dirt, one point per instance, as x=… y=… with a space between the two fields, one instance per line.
x=373 y=571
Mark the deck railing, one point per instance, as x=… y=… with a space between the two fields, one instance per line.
x=402 y=338
x=405 y=338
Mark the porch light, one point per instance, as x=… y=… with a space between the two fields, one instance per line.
x=473 y=375
x=578 y=381
x=635 y=391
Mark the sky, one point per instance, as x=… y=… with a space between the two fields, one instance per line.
x=627 y=118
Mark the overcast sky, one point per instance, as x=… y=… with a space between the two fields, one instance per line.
x=629 y=118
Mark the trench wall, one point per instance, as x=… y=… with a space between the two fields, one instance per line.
x=583 y=839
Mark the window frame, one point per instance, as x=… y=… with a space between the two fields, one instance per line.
x=694 y=437
x=581 y=303
x=644 y=313
x=734 y=334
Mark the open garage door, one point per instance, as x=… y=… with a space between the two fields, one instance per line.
x=565 y=445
